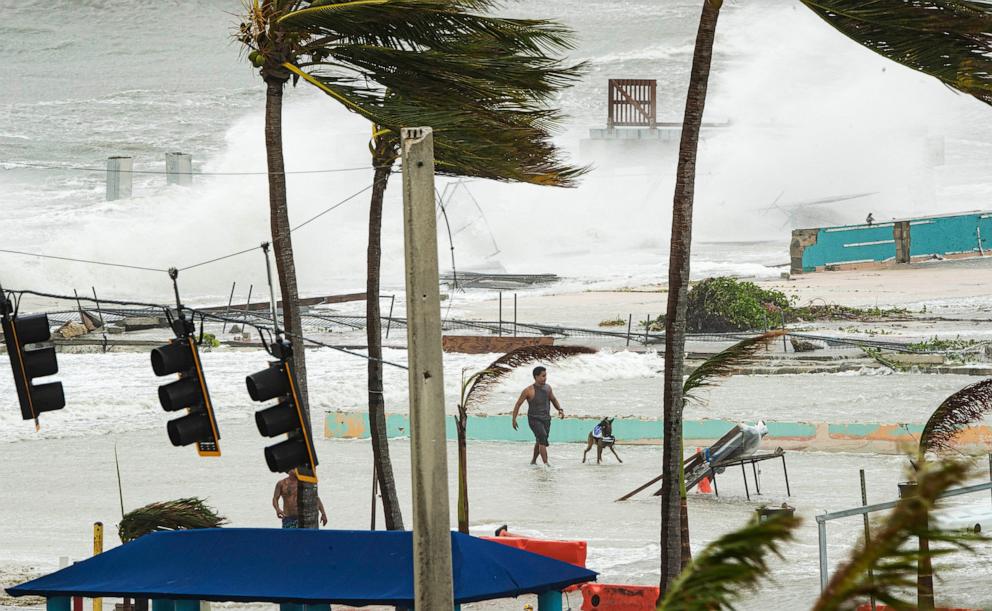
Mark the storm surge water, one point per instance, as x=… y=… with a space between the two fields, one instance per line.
x=810 y=115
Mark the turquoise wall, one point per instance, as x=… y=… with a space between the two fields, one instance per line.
x=850 y=243
x=938 y=235
x=499 y=428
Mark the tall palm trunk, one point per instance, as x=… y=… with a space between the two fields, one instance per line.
x=461 y=424
x=382 y=160
x=678 y=286
x=282 y=246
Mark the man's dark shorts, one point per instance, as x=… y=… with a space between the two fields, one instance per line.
x=290 y=522
x=541 y=427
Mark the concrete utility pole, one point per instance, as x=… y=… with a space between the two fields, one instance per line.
x=432 y=579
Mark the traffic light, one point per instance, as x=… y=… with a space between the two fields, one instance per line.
x=279 y=382
x=189 y=392
x=18 y=333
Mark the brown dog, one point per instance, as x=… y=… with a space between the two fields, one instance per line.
x=602 y=436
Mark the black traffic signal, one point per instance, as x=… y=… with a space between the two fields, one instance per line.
x=18 y=332
x=286 y=416
x=189 y=392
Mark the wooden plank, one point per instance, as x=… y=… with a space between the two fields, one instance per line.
x=306 y=301
x=484 y=344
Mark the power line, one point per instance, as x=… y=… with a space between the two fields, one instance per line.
x=203 y=316
x=106 y=263
x=41 y=166
x=195 y=265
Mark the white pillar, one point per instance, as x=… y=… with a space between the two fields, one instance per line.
x=178 y=169
x=119 y=175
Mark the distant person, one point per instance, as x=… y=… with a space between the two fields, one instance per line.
x=539 y=398
x=286 y=490
x=870 y=219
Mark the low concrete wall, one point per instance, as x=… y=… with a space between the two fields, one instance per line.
x=850 y=437
x=890 y=242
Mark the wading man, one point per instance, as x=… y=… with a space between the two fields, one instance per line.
x=539 y=398
x=286 y=491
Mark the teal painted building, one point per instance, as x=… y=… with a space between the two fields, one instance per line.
x=897 y=241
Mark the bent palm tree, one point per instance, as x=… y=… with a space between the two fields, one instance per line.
x=737 y=562
x=947 y=39
x=400 y=63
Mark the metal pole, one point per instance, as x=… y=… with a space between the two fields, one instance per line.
x=647 y=326
x=757 y=485
x=821 y=528
x=746 y=490
x=247 y=306
x=432 y=580
x=99 y=312
x=786 y=472
x=500 y=332
x=864 y=503
x=230 y=300
x=716 y=489
x=389 y=319
x=272 y=290
x=630 y=321
x=97 y=549
x=785 y=347
x=514 y=315
x=375 y=490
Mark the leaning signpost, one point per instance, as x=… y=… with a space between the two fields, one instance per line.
x=431 y=523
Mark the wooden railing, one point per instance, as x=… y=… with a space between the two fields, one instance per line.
x=633 y=103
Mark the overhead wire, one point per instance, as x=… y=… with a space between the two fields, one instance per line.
x=203 y=314
x=41 y=166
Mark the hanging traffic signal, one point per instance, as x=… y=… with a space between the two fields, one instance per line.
x=18 y=333
x=189 y=392
x=279 y=382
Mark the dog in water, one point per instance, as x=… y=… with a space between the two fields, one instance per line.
x=602 y=436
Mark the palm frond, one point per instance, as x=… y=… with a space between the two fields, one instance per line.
x=950 y=40
x=962 y=409
x=181 y=514
x=726 y=362
x=482 y=383
x=729 y=566
x=892 y=561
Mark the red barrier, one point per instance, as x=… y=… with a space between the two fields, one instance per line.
x=878 y=607
x=572 y=552
x=618 y=597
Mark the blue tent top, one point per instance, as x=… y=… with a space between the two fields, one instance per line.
x=301 y=566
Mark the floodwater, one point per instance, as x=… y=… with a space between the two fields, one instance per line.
x=64 y=485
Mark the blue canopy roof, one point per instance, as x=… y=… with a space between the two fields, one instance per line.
x=316 y=566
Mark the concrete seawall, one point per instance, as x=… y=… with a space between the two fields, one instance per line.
x=821 y=436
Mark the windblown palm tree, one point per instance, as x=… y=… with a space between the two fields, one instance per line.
x=737 y=562
x=181 y=514
x=947 y=39
x=479 y=82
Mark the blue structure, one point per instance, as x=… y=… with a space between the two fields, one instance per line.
x=897 y=241
x=300 y=569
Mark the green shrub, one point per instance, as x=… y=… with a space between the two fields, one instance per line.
x=724 y=304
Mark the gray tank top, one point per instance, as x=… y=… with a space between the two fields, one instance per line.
x=540 y=405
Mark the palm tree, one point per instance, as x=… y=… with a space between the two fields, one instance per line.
x=737 y=562
x=480 y=82
x=962 y=409
x=477 y=387
x=947 y=39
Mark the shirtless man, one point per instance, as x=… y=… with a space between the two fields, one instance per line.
x=286 y=490
x=539 y=398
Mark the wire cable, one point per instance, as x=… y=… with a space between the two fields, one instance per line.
x=204 y=316
x=74 y=260
x=41 y=166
